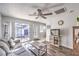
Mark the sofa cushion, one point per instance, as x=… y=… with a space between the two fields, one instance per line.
x=6 y=42
x=5 y=46
x=2 y=52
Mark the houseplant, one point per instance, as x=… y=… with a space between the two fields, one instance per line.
x=78 y=20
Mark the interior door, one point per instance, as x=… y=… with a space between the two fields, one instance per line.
x=76 y=40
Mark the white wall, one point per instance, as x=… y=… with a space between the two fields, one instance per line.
x=0 y=27
x=66 y=29
x=12 y=21
x=69 y=21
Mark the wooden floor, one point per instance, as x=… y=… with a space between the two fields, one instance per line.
x=55 y=51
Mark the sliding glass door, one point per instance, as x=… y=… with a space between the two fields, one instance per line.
x=26 y=32
x=22 y=31
x=39 y=31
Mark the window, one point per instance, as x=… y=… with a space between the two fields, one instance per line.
x=42 y=31
x=6 y=30
x=21 y=30
x=39 y=30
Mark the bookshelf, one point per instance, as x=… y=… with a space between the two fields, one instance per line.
x=55 y=37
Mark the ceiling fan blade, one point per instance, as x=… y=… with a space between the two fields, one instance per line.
x=48 y=14
x=43 y=17
x=36 y=17
x=34 y=14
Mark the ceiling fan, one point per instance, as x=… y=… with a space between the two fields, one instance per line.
x=40 y=14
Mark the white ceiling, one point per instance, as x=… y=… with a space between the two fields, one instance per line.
x=22 y=10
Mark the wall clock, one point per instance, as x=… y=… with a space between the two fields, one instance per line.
x=60 y=22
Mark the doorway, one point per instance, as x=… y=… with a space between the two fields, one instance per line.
x=76 y=40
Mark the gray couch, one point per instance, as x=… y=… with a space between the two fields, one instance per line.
x=4 y=48
x=2 y=52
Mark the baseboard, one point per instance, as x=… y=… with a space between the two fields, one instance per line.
x=67 y=50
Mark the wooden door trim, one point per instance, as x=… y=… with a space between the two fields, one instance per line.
x=74 y=27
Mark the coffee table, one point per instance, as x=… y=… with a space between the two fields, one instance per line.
x=39 y=49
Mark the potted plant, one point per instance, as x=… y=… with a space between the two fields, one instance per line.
x=78 y=20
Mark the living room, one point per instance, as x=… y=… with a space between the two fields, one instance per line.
x=53 y=26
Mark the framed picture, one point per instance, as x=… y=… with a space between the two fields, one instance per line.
x=55 y=31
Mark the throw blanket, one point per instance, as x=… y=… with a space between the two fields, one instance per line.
x=22 y=51
x=38 y=48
